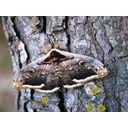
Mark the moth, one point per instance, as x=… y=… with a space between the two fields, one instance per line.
x=59 y=69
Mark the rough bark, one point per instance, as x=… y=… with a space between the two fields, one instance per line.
x=104 y=38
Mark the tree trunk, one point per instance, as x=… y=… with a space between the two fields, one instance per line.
x=104 y=38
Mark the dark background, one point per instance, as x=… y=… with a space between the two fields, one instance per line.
x=7 y=93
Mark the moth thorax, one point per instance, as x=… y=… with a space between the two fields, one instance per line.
x=55 y=59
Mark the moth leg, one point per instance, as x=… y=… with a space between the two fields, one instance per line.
x=100 y=74
x=47 y=91
x=33 y=87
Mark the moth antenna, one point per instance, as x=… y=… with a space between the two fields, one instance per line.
x=57 y=45
x=47 y=48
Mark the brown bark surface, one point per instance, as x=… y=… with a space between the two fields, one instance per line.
x=104 y=38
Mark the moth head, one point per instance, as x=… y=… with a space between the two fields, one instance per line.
x=54 y=53
x=56 y=56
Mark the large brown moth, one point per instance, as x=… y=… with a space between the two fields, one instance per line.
x=59 y=69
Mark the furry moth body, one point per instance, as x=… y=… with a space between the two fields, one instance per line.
x=59 y=69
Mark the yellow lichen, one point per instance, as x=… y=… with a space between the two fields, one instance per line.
x=36 y=105
x=90 y=107
x=91 y=91
x=45 y=100
x=95 y=90
x=100 y=108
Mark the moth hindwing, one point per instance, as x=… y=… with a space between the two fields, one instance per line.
x=59 y=69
